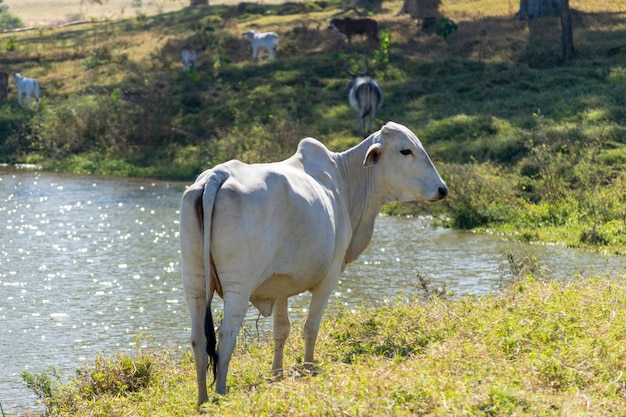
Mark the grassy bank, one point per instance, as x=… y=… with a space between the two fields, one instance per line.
x=535 y=349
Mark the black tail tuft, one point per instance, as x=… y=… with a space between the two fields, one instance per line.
x=211 y=341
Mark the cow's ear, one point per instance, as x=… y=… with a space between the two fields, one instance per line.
x=373 y=155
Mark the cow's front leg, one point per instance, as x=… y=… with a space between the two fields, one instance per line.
x=282 y=327
x=319 y=300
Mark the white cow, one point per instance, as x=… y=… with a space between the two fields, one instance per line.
x=189 y=59
x=268 y=40
x=28 y=87
x=266 y=232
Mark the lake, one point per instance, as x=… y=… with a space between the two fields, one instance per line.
x=88 y=264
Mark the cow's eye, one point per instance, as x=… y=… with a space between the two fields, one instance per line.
x=406 y=152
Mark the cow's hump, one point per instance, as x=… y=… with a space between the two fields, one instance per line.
x=316 y=159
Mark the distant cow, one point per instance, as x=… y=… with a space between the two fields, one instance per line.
x=365 y=96
x=262 y=233
x=4 y=86
x=189 y=59
x=348 y=27
x=28 y=87
x=267 y=40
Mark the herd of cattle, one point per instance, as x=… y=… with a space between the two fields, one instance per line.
x=364 y=93
x=262 y=233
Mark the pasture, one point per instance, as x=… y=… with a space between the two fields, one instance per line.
x=530 y=148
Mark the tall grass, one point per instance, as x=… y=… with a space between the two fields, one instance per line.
x=533 y=348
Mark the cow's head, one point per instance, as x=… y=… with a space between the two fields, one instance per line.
x=404 y=167
x=339 y=26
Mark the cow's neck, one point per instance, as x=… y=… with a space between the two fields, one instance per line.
x=364 y=197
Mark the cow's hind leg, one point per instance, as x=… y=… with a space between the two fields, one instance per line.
x=368 y=126
x=197 y=310
x=282 y=327
x=235 y=308
x=362 y=126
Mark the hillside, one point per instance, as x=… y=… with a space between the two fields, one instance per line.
x=529 y=147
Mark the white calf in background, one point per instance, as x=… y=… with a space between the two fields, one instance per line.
x=29 y=87
x=268 y=40
x=189 y=59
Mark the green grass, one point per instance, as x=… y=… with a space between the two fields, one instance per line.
x=532 y=349
x=529 y=148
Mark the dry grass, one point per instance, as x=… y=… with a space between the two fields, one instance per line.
x=53 y=12
x=461 y=10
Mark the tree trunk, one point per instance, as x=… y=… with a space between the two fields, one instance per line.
x=199 y=2
x=425 y=10
x=532 y=9
x=567 y=39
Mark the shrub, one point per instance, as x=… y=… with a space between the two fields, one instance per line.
x=480 y=195
x=83 y=124
x=9 y=21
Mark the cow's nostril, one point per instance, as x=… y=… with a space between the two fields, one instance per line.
x=443 y=192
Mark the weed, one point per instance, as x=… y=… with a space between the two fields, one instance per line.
x=381 y=55
x=11 y=44
x=517 y=269
x=425 y=285
x=46 y=386
x=445 y=27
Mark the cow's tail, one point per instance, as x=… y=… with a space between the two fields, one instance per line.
x=211 y=187
x=365 y=99
x=378 y=92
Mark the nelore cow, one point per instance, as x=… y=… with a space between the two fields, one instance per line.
x=365 y=96
x=27 y=87
x=190 y=57
x=267 y=40
x=348 y=27
x=265 y=232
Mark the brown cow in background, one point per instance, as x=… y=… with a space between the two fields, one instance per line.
x=348 y=27
x=4 y=86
